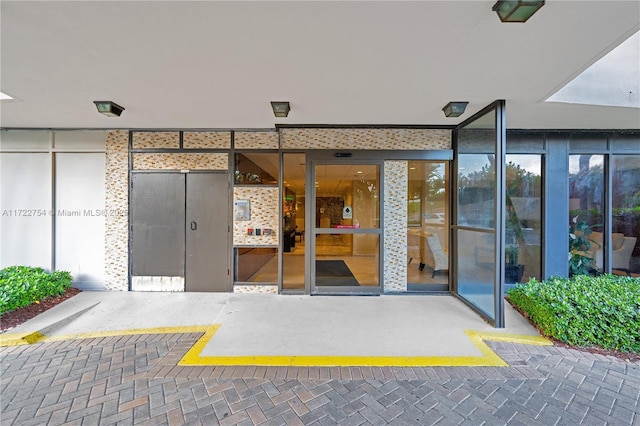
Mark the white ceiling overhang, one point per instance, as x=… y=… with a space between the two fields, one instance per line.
x=205 y=64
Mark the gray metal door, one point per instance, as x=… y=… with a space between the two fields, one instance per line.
x=207 y=232
x=157 y=218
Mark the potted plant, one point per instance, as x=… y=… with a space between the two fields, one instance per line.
x=580 y=260
x=513 y=270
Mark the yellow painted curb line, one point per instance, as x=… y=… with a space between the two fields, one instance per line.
x=30 y=338
x=488 y=359
x=525 y=339
x=192 y=358
x=15 y=339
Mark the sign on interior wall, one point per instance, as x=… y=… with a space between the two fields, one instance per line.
x=242 y=210
x=347 y=212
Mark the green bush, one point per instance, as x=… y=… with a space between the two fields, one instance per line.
x=23 y=285
x=583 y=310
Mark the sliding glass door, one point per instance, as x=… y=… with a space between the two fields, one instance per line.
x=346 y=229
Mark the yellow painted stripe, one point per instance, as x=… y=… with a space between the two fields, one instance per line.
x=130 y=332
x=488 y=358
x=13 y=339
x=346 y=361
x=35 y=337
x=515 y=338
x=193 y=357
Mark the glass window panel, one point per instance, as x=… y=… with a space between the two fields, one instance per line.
x=588 y=142
x=25 y=203
x=257 y=168
x=625 y=143
x=478 y=136
x=256 y=265
x=347 y=196
x=428 y=223
x=520 y=142
x=476 y=271
x=586 y=212
x=80 y=223
x=344 y=260
x=523 y=218
x=626 y=215
x=476 y=190
x=293 y=267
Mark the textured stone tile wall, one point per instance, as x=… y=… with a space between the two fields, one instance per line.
x=156 y=140
x=255 y=289
x=256 y=140
x=181 y=161
x=373 y=139
x=117 y=200
x=264 y=214
x=210 y=140
x=396 y=176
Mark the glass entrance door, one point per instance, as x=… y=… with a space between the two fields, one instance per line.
x=478 y=229
x=346 y=229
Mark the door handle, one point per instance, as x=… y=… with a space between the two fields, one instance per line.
x=194 y=225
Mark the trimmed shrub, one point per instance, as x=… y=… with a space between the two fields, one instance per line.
x=586 y=311
x=23 y=285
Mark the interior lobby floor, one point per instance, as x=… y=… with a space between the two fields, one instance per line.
x=361 y=266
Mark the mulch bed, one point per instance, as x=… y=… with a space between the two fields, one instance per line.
x=14 y=318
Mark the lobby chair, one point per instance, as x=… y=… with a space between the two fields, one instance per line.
x=435 y=257
x=622 y=248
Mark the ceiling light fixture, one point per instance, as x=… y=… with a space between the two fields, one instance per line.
x=280 y=108
x=454 y=109
x=516 y=10
x=108 y=108
x=4 y=97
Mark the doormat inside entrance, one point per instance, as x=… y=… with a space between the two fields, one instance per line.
x=334 y=273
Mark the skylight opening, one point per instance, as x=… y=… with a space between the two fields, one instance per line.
x=614 y=80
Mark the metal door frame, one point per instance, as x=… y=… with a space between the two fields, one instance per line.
x=336 y=158
x=498 y=231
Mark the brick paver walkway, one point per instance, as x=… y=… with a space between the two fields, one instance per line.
x=135 y=380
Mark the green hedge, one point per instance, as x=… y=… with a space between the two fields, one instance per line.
x=23 y=285
x=583 y=310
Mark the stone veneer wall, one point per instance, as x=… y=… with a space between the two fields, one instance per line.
x=256 y=140
x=208 y=140
x=142 y=140
x=374 y=139
x=116 y=250
x=264 y=214
x=255 y=289
x=264 y=200
x=396 y=177
x=181 y=161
